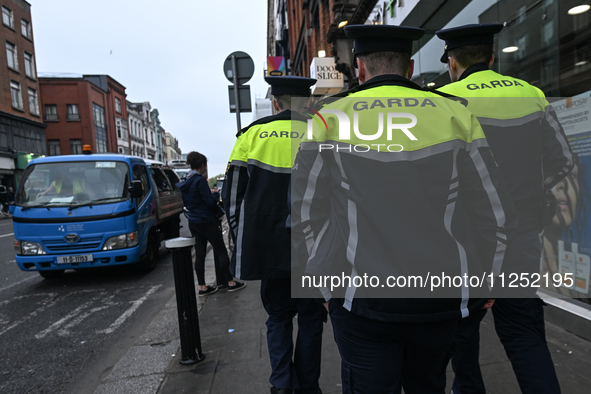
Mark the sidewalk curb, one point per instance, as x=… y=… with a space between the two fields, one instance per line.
x=142 y=368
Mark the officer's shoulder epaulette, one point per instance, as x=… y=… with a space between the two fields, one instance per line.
x=460 y=100
x=284 y=115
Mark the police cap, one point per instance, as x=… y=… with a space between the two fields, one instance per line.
x=382 y=38
x=291 y=85
x=461 y=36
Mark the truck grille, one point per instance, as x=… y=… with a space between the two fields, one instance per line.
x=59 y=245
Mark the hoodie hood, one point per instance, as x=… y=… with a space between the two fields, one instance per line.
x=187 y=181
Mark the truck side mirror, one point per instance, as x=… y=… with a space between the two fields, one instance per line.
x=136 y=189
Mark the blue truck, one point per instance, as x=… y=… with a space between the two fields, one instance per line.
x=93 y=210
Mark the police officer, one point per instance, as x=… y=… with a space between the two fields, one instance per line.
x=533 y=155
x=255 y=199
x=413 y=196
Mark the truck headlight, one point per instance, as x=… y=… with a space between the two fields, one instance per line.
x=28 y=248
x=121 y=241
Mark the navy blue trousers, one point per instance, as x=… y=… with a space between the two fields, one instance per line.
x=383 y=357
x=296 y=369
x=519 y=323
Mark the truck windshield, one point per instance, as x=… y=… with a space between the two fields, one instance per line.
x=73 y=183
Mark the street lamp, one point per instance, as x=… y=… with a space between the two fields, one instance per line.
x=579 y=9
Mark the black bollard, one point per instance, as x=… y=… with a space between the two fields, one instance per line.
x=186 y=300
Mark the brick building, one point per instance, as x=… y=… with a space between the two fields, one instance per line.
x=84 y=110
x=301 y=30
x=22 y=133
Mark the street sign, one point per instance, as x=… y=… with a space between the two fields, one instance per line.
x=239 y=68
x=243 y=99
x=244 y=67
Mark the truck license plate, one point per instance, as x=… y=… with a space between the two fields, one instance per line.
x=82 y=258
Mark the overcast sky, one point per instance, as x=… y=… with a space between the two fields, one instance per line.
x=170 y=54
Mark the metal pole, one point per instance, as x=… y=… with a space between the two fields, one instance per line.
x=236 y=95
x=186 y=300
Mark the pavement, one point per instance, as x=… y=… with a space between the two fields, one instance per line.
x=233 y=337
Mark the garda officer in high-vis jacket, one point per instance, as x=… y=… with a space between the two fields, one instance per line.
x=399 y=181
x=533 y=155
x=255 y=196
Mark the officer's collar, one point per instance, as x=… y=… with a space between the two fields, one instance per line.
x=388 y=80
x=473 y=69
x=283 y=115
x=381 y=80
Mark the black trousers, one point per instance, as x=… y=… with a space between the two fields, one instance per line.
x=383 y=357
x=293 y=368
x=520 y=325
x=212 y=233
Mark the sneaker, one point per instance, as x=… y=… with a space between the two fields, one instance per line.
x=222 y=286
x=209 y=290
x=236 y=286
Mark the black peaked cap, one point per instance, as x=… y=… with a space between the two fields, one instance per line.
x=381 y=38
x=461 y=36
x=291 y=85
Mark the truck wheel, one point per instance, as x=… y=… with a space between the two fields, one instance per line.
x=53 y=274
x=149 y=262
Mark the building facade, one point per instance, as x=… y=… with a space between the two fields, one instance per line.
x=302 y=30
x=173 y=152
x=142 y=129
x=163 y=143
x=83 y=110
x=159 y=132
x=22 y=132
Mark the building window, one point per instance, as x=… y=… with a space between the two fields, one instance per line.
x=51 y=112
x=100 y=128
x=522 y=45
x=73 y=112
x=75 y=147
x=548 y=33
x=29 y=65
x=33 y=102
x=119 y=130
x=152 y=135
x=26 y=29
x=117 y=105
x=28 y=141
x=54 y=148
x=11 y=55
x=7 y=17
x=15 y=93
